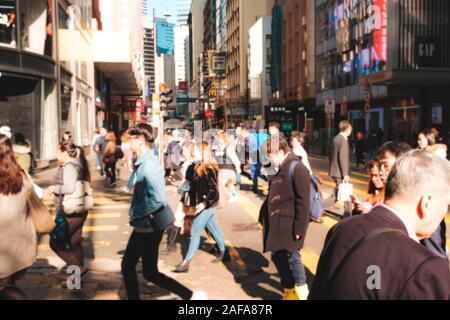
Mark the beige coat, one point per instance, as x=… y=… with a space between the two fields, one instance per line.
x=18 y=240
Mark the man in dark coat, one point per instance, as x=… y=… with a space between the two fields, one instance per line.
x=285 y=218
x=378 y=255
x=340 y=164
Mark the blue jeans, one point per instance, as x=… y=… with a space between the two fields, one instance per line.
x=255 y=173
x=205 y=219
x=290 y=267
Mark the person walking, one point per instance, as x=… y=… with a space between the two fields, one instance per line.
x=99 y=147
x=362 y=256
x=110 y=158
x=360 y=149
x=66 y=240
x=204 y=196
x=255 y=141
x=297 y=141
x=18 y=239
x=285 y=218
x=149 y=197
x=340 y=164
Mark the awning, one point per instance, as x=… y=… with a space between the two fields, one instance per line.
x=12 y=84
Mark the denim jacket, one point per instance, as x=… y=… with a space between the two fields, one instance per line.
x=149 y=191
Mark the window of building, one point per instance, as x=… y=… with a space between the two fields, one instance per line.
x=8 y=18
x=37 y=28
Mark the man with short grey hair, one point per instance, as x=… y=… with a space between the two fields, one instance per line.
x=378 y=255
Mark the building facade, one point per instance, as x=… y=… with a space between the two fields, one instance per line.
x=241 y=15
x=389 y=81
x=259 y=56
x=183 y=8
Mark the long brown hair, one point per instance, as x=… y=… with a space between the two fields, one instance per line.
x=207 y=160
x=11 y=175
x=374 y=197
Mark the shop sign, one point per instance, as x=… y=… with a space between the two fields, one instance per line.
x=427 y=52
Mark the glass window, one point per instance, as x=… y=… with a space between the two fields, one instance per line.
x=37 y=28
x=8 y=23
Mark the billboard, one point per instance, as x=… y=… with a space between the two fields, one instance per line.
x=217 y=63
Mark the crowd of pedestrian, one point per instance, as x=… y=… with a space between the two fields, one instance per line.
x=398 y=225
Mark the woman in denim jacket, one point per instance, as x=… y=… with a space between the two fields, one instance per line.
x=148 y=197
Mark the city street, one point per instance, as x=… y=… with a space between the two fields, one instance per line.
x=248 y=274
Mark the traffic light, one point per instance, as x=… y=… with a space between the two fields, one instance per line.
x=165 y=98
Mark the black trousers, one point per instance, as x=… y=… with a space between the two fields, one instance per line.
x=110 y=169
x=146 y=246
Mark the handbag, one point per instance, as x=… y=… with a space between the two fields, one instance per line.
x=187 y=225
x=162 y=218
x=60 y=234
x=344 y=192
x=80 y=200
x=42 y=220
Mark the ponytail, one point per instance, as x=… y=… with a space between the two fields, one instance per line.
x=84 y=163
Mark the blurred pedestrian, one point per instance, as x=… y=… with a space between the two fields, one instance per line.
x=297 y=142
x=204 y=197
x=66 y=239
x=67 y=136
x=340 y=165
x=285 y=218
x=110 y=158
x=149 y=196
x=99 y=147
x=362 y=256
x=427 y=138
x=360 y=149
x=18 y=240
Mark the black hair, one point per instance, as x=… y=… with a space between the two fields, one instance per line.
x=75 y=151
x=19 y=139
x=394 y=147
x=145 y=130
x=432 y=136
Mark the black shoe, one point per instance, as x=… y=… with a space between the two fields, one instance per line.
x=183 y=267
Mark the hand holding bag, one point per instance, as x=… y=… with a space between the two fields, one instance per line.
x=40 y=216
x=345 y=191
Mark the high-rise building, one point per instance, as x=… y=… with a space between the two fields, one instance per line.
x=183 y=7
x=164 y=37
x=181 y=35
x=221 y=25
x=259 y=56
x=164 y=54
x=146 y=8
x=149 y=58
x=241 y=15
x=292 y=63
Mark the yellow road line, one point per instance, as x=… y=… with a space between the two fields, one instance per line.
x=328 y=222
x=310 y=259
x=100 y=228
x=355 y=190
x=447 y=218
x=324 y=174
x=103 y=215
x=365 y=175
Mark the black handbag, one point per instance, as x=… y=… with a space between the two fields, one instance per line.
x=162 y=218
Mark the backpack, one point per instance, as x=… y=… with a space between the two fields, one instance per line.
x=81 y=199
x=315 y=209
x=119 y=153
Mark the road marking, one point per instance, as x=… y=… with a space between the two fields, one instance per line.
x=325 y=175
x=355 y=190
x=447 y=218
x=310 y=260
x=328 y=222
x=103 y=215
x=365 y=175
x=100 y=228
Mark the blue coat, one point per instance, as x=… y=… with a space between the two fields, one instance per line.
x=149 y=191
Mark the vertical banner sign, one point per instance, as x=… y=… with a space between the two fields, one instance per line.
x=380 y=32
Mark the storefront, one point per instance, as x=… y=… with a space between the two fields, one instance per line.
x=28 y=86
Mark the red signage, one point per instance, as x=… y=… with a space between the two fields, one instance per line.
x=208 y=114
x=183 y=86
x=140 y=107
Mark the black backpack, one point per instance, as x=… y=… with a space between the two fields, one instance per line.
x=119 y=153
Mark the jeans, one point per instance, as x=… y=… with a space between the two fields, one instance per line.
x=146 y=245
x=290 y=267
x=333 y=199
x=205 y=219
x=255 y=173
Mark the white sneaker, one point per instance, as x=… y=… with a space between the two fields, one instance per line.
x=302 y=292
x=199 y=295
